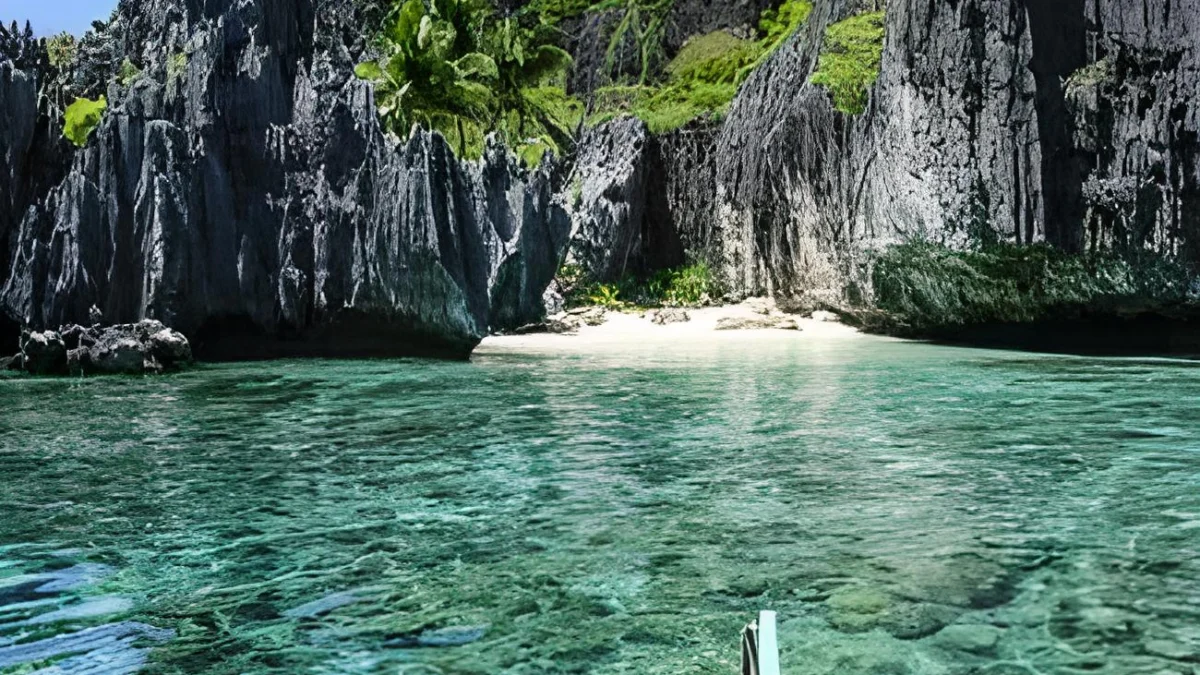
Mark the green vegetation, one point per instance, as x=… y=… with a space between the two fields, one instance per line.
x=689 y=286
x=454 y=67
x=553 y=12
x=923 y=287
x=775 y=26
x=849 y=61
x=127 y=73
x=1093 y=75
x=704 y=77
x=643 y=22
x=176 y=66
x=61 y=50
x=81 y=118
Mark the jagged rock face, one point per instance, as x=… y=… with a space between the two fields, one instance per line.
x=241 y=185
x=983 y=123
x=602 y=58
x=621 y=216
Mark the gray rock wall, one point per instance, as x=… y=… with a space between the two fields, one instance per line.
x=241 y=187
x=980 y=125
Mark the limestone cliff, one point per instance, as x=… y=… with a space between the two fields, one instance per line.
x=1066 y=122
x=240 y=183
x=240 y=187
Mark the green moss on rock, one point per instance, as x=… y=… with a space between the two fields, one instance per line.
x=81 y=119
x=703 y=78
x=850 y=59
x=924 y=288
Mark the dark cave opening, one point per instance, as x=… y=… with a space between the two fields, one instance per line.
x=1059 y=33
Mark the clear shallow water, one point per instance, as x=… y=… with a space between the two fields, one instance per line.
x=905 y=508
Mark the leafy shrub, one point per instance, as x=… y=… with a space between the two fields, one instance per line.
x=127 y=73
x=81 y=118
x=606 y=296
x=704 y=76
x=61 y=50
x=1091 y=76
x=689 y=286
x=454 y=67
x=176 y=65
x=927 y=287
x=775 y=26
x=715 y=57
x=553 y=12
x=849 y=61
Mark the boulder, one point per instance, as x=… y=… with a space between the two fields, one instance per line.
x=44 y=353
x=170 y=348
x=120 y=354
x=130 y=349
x=669 y=315
x=563 y=324
x=757 y=323
x=589 y=316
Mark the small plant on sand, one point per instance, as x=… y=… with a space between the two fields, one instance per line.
x=606 y=296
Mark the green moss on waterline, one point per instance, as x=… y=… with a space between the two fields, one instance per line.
x=922 y=288
x=850 y=59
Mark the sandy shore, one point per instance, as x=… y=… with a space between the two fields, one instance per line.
x=622 y=329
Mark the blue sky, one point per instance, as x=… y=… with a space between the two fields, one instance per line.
x=54 y=16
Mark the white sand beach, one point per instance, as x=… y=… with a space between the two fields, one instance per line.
x=622 y=329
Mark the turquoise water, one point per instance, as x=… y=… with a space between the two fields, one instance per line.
x=905 y=508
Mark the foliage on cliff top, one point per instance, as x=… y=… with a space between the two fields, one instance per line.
x=454 y=67
x=81 y=119
x=704 y=76
x=850 y=60
x=61 y=50
x=925 y=287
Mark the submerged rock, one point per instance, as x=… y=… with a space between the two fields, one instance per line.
x=451 y=636
x=975 y=638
